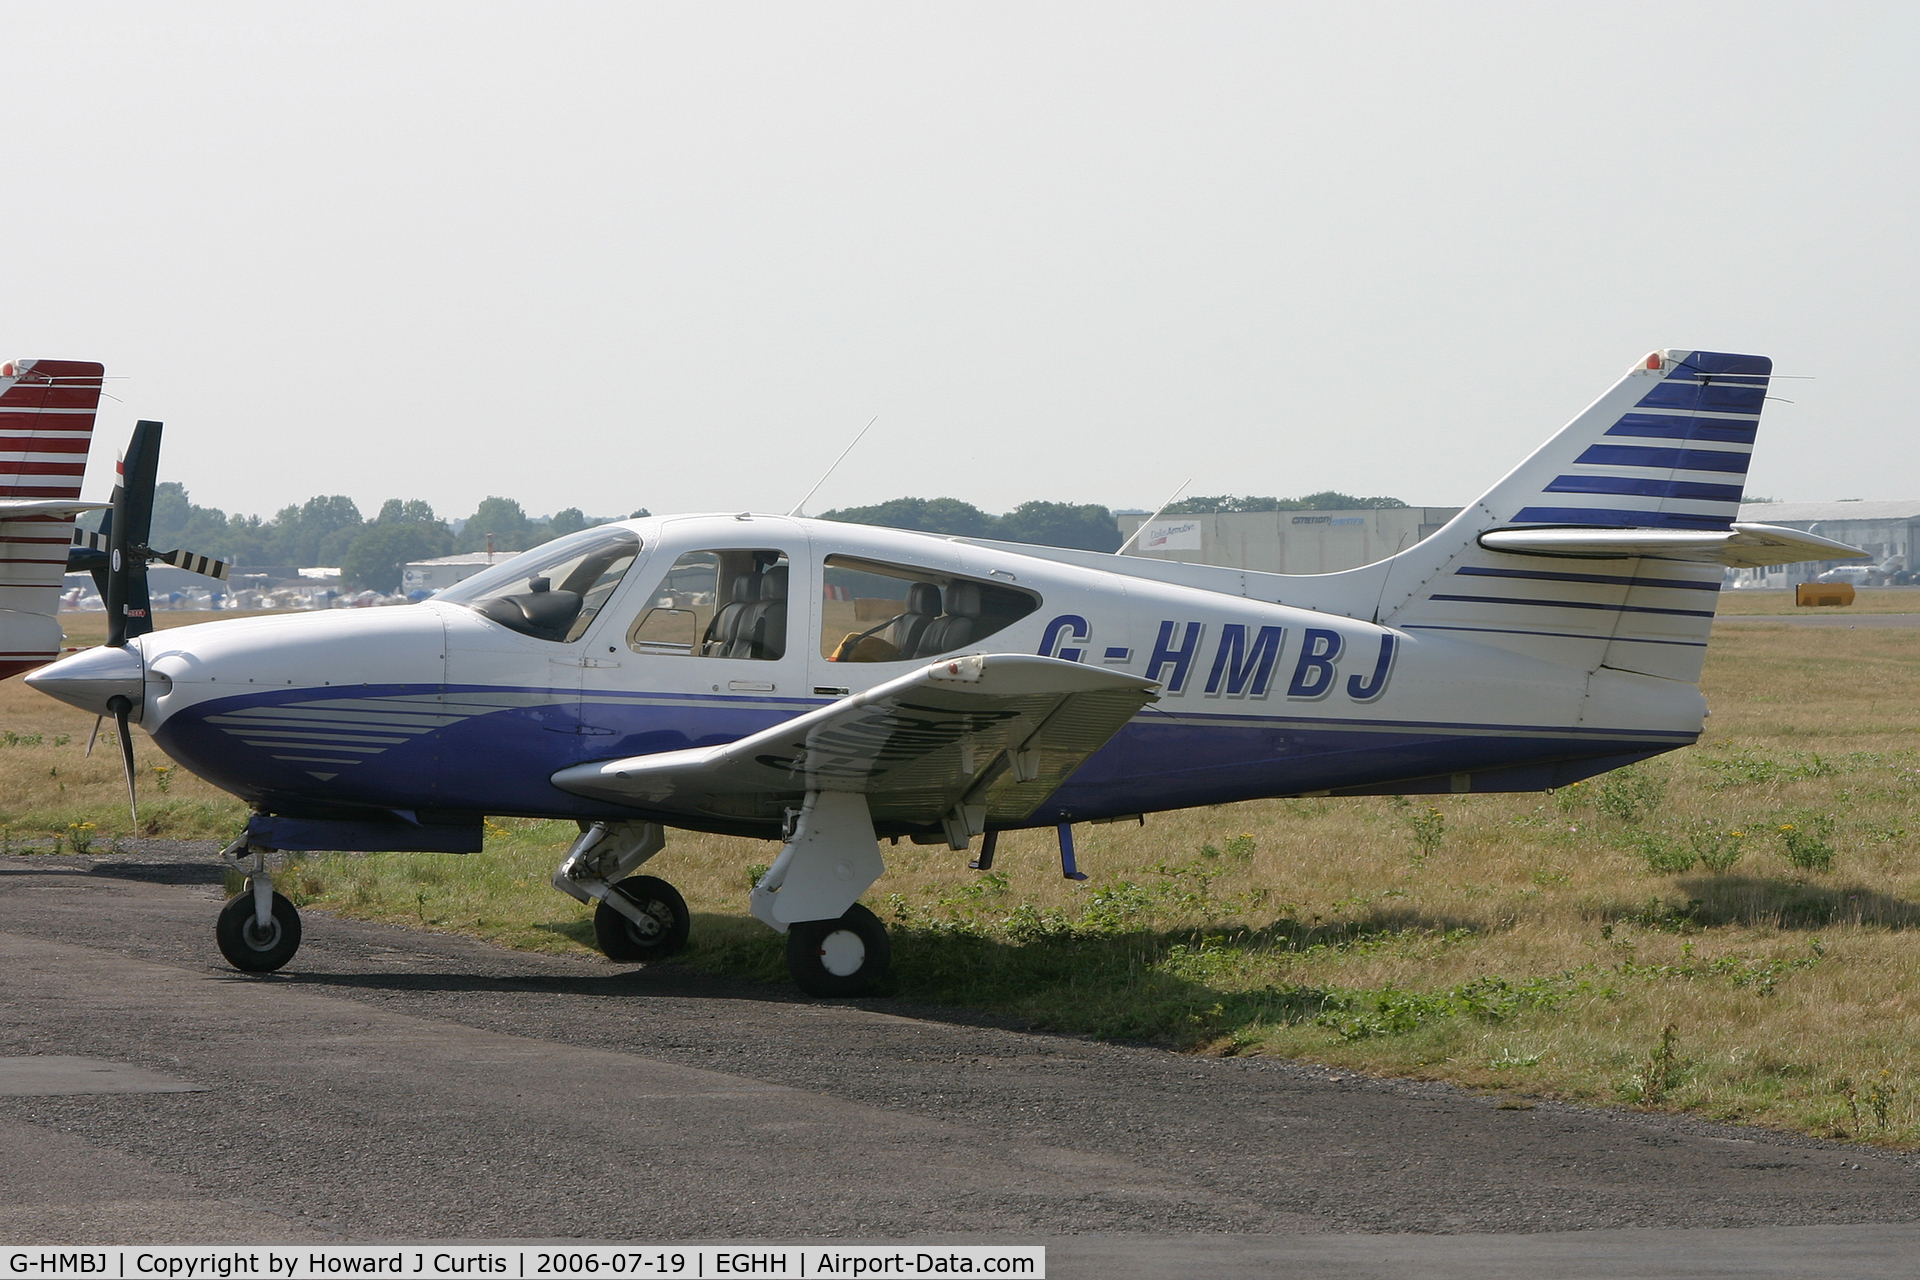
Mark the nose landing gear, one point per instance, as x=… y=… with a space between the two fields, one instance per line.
x=259 y=930
x=635 y=918
x=658 y=930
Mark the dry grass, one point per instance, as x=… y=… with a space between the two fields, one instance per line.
x=50 y=790
x=1525 y=943
x=1865 y=600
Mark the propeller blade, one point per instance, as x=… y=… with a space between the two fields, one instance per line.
x=120 y=706
x=94 y=736
x=129 y=611
x=88 y=554
x=193 y=562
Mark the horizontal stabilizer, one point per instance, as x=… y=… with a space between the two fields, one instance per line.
x=991 y=734
x=1743 y=546
x=12 y=508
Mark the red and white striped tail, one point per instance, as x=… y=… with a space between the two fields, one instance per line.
x=47 y=409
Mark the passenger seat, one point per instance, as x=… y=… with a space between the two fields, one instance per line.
x=905 y=631
x=956 y=626
x=763 y=629
x=725 y=627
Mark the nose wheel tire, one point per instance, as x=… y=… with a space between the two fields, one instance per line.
x=251 y=948
x=837 y=958
x=661 y=934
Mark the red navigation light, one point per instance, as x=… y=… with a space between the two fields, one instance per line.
x=1653 y=360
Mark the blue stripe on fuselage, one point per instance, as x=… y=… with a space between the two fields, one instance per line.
x=500 y=762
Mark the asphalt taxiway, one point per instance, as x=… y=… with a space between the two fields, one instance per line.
x=401 y=1085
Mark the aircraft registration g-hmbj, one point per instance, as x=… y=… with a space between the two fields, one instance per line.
x=832 y=685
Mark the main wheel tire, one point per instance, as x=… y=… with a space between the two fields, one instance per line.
x=838 y=958
x=247 y=947
x=627 y=940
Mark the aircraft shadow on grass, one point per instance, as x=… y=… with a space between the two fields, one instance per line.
x=952 y=975
x=1712 y=901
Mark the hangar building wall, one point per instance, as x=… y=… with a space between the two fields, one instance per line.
x=1289 y=541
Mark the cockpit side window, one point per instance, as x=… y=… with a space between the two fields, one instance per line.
x=717 y=604
x=552 y=592
x=872 y=611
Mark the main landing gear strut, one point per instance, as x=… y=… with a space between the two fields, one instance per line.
x=835 y=946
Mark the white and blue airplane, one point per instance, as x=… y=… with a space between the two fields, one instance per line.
x=835 y=685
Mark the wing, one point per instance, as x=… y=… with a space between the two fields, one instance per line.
x=1000 y=730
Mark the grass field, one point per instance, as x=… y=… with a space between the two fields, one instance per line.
x=1865 y=600
x=52 y=794
x=1730 y=929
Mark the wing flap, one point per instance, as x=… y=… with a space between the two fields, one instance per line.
x=999 y=730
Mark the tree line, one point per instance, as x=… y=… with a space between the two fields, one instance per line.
x=371 y=554
x=330 y=530
x=1325 y=500
x=1088 y=527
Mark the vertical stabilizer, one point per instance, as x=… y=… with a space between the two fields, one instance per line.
x=1666 y=449
x=47 y=410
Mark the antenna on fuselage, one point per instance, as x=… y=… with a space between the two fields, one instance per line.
x=1171 y=499
x=835 y=467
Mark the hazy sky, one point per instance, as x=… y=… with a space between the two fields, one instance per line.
x=613 y=255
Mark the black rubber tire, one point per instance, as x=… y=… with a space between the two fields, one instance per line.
x=627 y=942
x=244 y=948
x=816 y=948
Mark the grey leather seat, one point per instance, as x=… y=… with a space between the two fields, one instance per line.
x=724 y=630
x=763 y=628
x=956 y=626
x=905 y=631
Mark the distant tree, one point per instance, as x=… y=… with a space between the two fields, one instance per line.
x=504 y=519
x=926 y=515
x=382 y=549
x=571 y=520
x=1089 y=527
x=249 y=541
x=179 y=523
x=1330 y=500
x=321 y=527
x=412 y=511
x=641 y=514
x=1224 y=503
x=1229 y=504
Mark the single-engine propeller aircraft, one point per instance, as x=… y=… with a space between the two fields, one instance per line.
x=832 y=685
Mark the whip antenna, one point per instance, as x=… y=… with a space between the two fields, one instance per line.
x=836 y=465
x=1171 y=499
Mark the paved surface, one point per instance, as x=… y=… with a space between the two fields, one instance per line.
x=1872 y=621
x=409 y=1086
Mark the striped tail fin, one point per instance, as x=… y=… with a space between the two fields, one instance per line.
x=1665 y=450
x=47 y=410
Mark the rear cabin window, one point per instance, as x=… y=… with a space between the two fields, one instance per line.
x=876 y=612
x=717 y=604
